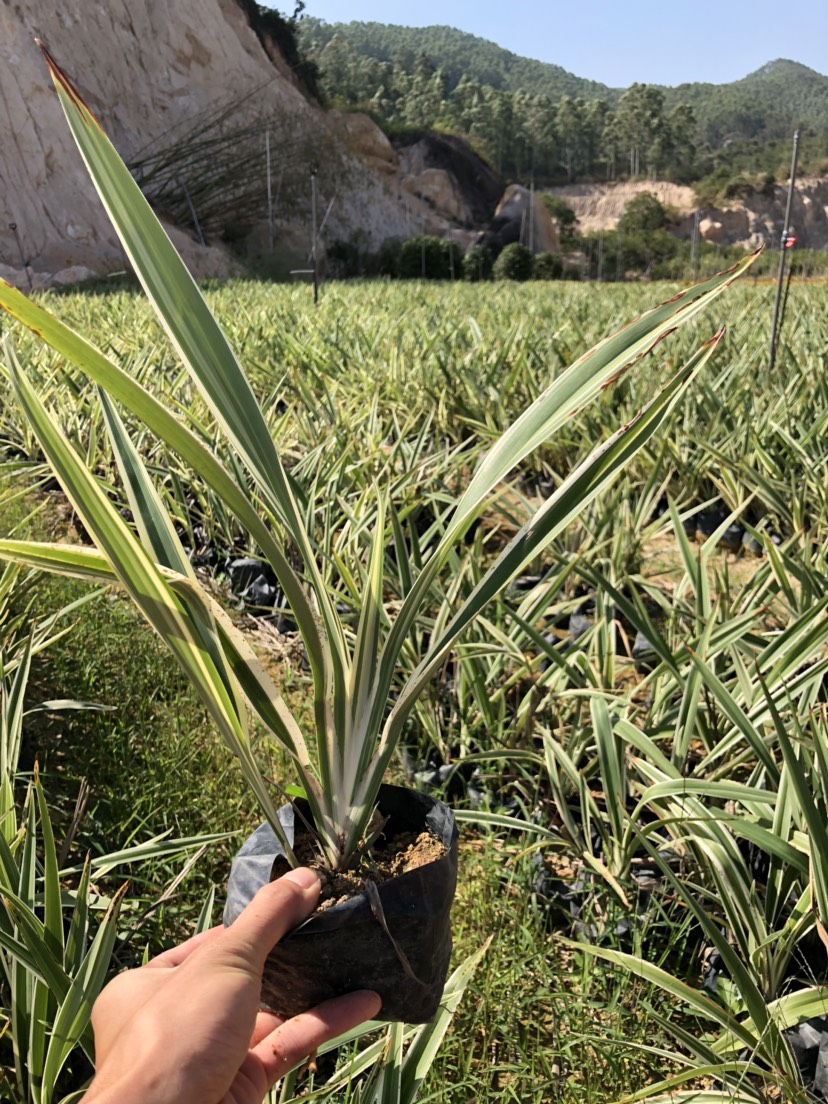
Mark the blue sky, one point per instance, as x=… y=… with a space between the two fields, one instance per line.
x=616 y=42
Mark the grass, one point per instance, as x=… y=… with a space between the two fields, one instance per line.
x=563 y=1025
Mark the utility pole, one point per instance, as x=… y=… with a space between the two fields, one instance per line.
x=23 y=258
x=786 y=240
x=696 y=222
x=532 y=205
x=314 y=257
x=269 y=191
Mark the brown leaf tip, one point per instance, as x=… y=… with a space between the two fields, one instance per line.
x=62 y=80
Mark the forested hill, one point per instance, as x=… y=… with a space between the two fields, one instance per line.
x=767 y=104
x=456 y=53
x=356 y=60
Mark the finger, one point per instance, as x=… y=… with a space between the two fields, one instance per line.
x=176 y=955
x=298 y=1037
x=266 y=1023
x=275 y=910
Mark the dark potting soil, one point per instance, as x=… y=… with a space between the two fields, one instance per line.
x=387 y=859
x=392 y=936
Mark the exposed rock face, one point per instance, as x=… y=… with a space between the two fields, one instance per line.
x=442 y=169
x=750 y=222
x=809 y=213
x=759 y=219
x=600 y=206
x=155 y=73
x=436 y=187
x=31 y=279
x=720 y=227
x=143 y=68
x=368 y=141
x=521 y=217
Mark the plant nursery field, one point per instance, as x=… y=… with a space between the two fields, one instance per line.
x=634 y=734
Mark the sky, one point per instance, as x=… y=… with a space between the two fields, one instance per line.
x=617 y=42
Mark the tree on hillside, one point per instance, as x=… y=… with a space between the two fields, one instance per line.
x=498 y=124
x=540 y=126
x=340 y=67
x=595 y=122
x=522 y=152
x=382 y=98
x=735 y=121
x=641 y=125
x=612 y=145
x=457 y=109
x=682 y=126
x=569 y=124
x=425 y=95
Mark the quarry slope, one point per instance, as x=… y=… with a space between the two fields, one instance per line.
x=173 y=83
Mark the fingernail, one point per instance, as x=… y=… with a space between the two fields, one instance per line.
x=373 y=1001
x=303 y=877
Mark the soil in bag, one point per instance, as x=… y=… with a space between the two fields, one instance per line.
x=384 y=926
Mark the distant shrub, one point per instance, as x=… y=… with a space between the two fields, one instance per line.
x=558 y=208
x=744 y=186
x=514 y=263
x=565 y=217
x=722 y=185
x=349 y=258
x=643 y=214
x=642 y=251
x=738 y=188
x=344 y=259
x=708 y=190
x=547 y=266
x=477 y=264
x=387 y=261
x=429 y=258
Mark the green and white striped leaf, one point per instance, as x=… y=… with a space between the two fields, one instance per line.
x=190 y=637
x=72 y=1023
x=568 y=500
x=351 y=691
x=121 y=387
x=200 y=342
x=786 y=1012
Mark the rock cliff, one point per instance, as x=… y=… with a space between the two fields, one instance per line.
x=752 y=221
x=600 y=206
x=759 y=218
x=192 y=98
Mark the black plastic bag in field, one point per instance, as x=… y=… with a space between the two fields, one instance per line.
x=397 y=941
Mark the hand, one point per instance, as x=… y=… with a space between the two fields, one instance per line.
x=186 y=1028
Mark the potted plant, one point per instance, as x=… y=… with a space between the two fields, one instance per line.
x=358 y=709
